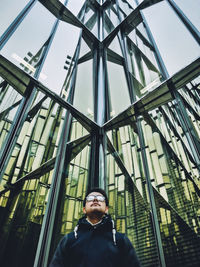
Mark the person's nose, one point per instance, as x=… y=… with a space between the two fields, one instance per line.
x=95 y=199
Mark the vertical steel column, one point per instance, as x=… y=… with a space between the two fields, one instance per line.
x=157 y=54
x=23 y=109
x=42 y=254
x=97 y=156
x=18 y=121
x=123 y=45
x=142 y=145
x=189 y=25
x=13 y=26
x=151 y=194
x=48 y=224
x=187 y=126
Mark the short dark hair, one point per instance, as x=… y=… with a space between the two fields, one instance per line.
x=99 y=190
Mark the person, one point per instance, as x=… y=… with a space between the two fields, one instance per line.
x=94 y=241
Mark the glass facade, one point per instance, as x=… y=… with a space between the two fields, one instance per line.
x=100 y=93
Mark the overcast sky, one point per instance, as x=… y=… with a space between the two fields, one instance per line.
x=177 y=47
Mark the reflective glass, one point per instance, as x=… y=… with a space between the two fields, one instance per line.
x=124 y=8
x=115 y=46
x=191 y=10
x=111 y=19
x=57 y=59
x=84 y=49
x=22 y=212
x=75 y=6
x=9 y=10
x=157 y=149
x=10 y=100
x=174 y=188
x=124 y=205
x=90 y=20
x=73 y=193
x=174 y=191
x=142 y=64
x=83 y=98
x=25 y=46
x=37 y=139
x=131 y=3
x=118 y=88
x=77 y=130
x=171 y=36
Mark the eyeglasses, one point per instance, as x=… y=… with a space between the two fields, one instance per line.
x=93 y=197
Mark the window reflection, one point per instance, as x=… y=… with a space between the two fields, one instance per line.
x=25 y=46
x=115 y=46
x=75 y=6
x=118 y=89
x=56 y=59
x=91 y=19
x=73 y=193
x=172 y=38
x=111 y=19
x=83 y=98
x=125 y=8
x=9 y=103
x=122 y=207
x=170 y=158
x=191 y=10
x=9 y=9
x=23 y=221
x=143 y=67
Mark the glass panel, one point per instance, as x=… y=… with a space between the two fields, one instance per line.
x=25 y=46
x=124 y=8
x=191 y=10
x=73 y=193
x=175 y=193
x=90 y=20
x=139 y=1
x=77 y=130
x=24 y=188
x=142 y=64
x=115 y=46
x=132 y=3
x=57 y=58
x=118 y=88
x=171 y=36
x=75 y=6
x=22 y=210
x=174 y=129
x=9 y=9
x=9 y=102
x=83 y=98
x=37 y=141
x=123 y=207
x=110 y=19
x=84 y=49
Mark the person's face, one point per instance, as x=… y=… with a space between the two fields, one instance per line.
x=95 y=206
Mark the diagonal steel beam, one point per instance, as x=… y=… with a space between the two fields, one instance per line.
x=75 y=146
x=63 y=13
x=20 y=80
x=130 y=22
x=157 y=97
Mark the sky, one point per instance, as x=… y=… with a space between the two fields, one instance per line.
x=176 y=45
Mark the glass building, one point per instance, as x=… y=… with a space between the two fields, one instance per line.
x=100 y=93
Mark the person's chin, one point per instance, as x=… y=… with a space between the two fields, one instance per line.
x=95 y=207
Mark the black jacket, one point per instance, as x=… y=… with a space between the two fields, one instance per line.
x=95 y=246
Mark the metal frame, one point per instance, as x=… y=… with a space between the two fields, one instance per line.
x=167 y=91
